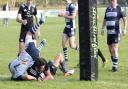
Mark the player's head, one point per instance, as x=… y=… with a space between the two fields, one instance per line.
x=29 y=2
x=113 y=2
x=40 y=64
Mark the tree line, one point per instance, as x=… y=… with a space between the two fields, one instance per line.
x=45 y=3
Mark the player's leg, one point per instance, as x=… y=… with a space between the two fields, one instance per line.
x=29 y=39
x=65 y=50
x=60 y=62
x=114 y=51
x=58 y=58
x=115 y=57
x=72 y=43
x=33 y=30
x=71 y=35
x=102 y=57
x=110 y=51
x=22 y=39
x=42 y=43
x=21 y=46
x=37 y=25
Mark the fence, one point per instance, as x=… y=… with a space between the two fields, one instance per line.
x=13 y=14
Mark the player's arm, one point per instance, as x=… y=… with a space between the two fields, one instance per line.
x=20 y=20
x=103 y=26
x=73 y=12
x=125 y=25
x=73 y=16
x=19 y=17
x=63 y=14
x=28 y=77
x=48 y=75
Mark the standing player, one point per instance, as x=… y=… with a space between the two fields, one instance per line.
x=25 y=17
x=69 y=30
x=111 y=20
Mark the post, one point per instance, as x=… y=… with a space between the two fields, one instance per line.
x=88 y=39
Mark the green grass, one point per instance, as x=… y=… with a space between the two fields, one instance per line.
x=52 y=31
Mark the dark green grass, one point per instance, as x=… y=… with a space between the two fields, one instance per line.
x=52 y=32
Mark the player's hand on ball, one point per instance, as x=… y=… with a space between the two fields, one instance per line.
x=62 y=14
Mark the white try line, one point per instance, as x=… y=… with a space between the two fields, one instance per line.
x=110 y=83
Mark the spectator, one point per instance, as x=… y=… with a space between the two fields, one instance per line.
x=6 y=7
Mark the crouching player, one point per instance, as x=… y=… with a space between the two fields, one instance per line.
x=41 y=67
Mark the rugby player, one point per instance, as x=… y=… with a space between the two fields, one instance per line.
x=25 y=16
x=28 y=56
x=48 y=69
x=111 y=21
x=69 y=30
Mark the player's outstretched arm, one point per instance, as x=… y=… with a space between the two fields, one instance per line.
x=29 y=77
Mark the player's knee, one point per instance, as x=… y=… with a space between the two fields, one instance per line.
x=72 y=46
x=60 y=56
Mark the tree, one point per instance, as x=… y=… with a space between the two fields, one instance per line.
x=13 y=2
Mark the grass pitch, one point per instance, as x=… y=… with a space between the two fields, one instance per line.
x=52 y=32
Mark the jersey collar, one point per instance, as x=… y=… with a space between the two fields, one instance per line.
x=112 y=6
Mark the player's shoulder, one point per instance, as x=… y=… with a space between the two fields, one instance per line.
x=23 y=5
x=33 y=6
x=108 y=7
x=72 y=5
x=118 y=7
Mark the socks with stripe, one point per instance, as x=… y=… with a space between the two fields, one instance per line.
x=65 y=51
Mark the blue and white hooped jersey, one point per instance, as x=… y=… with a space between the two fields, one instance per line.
x=70 y=10
x=112 y=18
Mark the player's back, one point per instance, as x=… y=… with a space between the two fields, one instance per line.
x=23 y=59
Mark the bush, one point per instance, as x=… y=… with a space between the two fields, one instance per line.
x=122 y=2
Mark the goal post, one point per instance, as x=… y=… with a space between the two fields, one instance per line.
x=88 y=39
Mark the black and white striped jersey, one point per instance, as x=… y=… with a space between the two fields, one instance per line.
x=112 y=18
